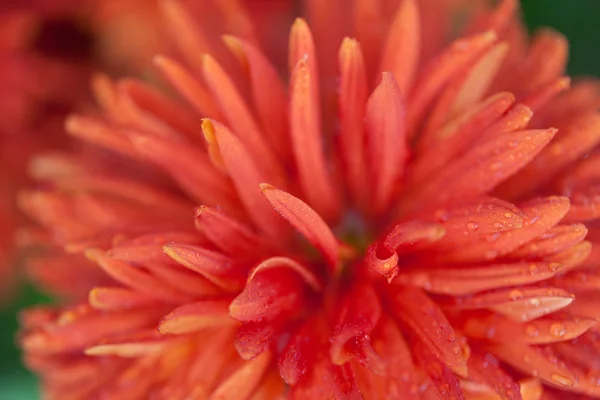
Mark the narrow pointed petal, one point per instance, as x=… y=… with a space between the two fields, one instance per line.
x=307 y=142
x=531 y=389
x=352 y=99
x=427 y=321
x=577 y=139
x=468 y=89
x=284 y=262
x=484 y=167
x=359 y=312
x=557 y=239
x=519 y=304
x=223 y=271
x=545 y=330
x=540 y=215
x=237 y=19
x=329 y=381
x=547 y=59
x=454 y=60
x=535 y=361
x=243 y=382
x=401 y=51
x=306 y=221
x=115 y=299
x=240 y=118
x=538 y=99
x=188 y=166
x=135 y=277
x=383 y=257
x=189 y=87
x=445 y=382
x=269 y=294
x=386 y=143
x=268 y=92
x=188 y=37
x=457 y=135
x=194 y=317
x=100 y=134
x=253 y=338
x=484 y=369
x=299 y=355
x=246 y=177
x=370 y=26
x=227 y=234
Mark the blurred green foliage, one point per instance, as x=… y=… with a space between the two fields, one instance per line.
x=577 y=19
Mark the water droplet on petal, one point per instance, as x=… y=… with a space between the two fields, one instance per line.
x=558 y=329
x=515 y=294
x=472 y=226
x=532 y=331
x=561 y=380
x=508 y=215
x=498 y=225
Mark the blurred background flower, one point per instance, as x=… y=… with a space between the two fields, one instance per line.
x=47 y=50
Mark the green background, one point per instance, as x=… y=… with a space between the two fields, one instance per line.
x=577 y=19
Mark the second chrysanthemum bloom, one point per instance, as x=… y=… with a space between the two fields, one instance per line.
x=397 y=232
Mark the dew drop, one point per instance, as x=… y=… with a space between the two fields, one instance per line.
x=561 y=380
x=515 y=294
x=472 y=226
x=558 y=329
x=498 y=225
x=508 y=215
x=532 y=331
x=535 y=302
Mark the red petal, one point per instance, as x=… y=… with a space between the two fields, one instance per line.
x=351 y=102
x=246 y=176
x=387 y=147
x=444 y=380
x=254 y=337
x=305 y=130
x=136 y=278
x=327 y=381
x=284 y=262
x=268 y=93
x=299 y=354
x=216 y=267
x=240 y=118
x=115 y=299
x=244 y=380
x=194 y=317
x=519 y=304
x=400 y=54
x=189 y=87
x=359 y=312
x=441 y=70
x=269 y=294
x=227 y=234
x=306 y=220
x=485 y=369
x=427 y=322
x=557 y=239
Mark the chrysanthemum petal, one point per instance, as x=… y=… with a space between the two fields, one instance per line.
x=326 y=380
x=245 y=174
x=483 y=167
x=223 y=271
x=268 y=93
x=519 y=304
x=484 y=369
x=468 y=89
x=359 y=312
x=427 y=321
x=540 y=216
x=306 y=220
x=240 y=119
x=193 y=90
x=444 y=380
x=386 y=143
x=285 y=262
x=193 y=317
x=243 y=381
x=269 y=294
x=352 y=99
x=457 y=57
x=559 y=238
x=299 y=355
x=313 y=174
x=401 y=51
x=227 y=234
x=135 y=277
x=116 y=298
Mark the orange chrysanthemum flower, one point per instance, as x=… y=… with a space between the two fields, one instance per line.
x=402 y=221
